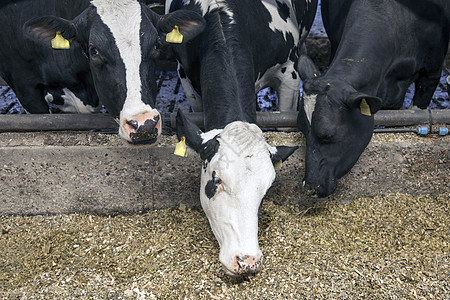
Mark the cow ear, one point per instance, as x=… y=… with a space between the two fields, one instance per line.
x=193 y=136
x=368 y=105
x=45 y=29
x=183 y=24
x=186 y=128
x=281 y=153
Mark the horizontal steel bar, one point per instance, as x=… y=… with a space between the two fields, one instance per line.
x=83 y=122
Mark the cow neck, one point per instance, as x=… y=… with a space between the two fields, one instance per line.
x=363 y=54
x=361 y=69
x=226 y=76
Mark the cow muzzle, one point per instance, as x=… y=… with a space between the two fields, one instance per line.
x=143 y=129
x=320 y=190
x=244 y=265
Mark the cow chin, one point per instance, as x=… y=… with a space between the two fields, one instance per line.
x=144 y=128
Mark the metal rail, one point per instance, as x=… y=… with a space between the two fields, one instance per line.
x=81 y=122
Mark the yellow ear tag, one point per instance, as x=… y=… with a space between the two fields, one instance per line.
x=174 y=36
x=365 y=108
x=278 y=164
x=180 y=148
x=59 y=42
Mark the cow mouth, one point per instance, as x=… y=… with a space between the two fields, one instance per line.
x=241 y=270
x=320 y=190
x=144 y=138
x=236 y=274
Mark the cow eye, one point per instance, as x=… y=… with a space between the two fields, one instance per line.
x=93 y=51
x=213 y=186
x=157 y=45
x=325 y=137
x=324 y=130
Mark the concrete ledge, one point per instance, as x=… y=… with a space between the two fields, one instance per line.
x=63 y=172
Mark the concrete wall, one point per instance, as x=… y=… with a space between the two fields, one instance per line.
x=53 y=173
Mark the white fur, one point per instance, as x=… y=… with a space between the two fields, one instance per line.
x=304 y=33
x=287 y=87
x=278 y=24
x=220 y=5
x=207 y=6
x=194 y=98
x=123 y=18
x=210 y=134
x=72 y=104
x=244 y=166
x=167 y=5
x=309 y=105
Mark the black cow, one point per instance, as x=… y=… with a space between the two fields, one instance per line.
x=246 y=45
x=103 y=50
x=379 y=47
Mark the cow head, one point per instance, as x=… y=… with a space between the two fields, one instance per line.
x=337 y=122
x=120 y=40
x=237 y=171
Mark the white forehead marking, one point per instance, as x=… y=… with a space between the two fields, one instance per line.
x=309 y=103
x=277 y=23
x=123 y=18
x=244 y=138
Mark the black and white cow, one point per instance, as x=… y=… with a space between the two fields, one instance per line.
x=106 y=52
x=379 y=47
x=246 y=45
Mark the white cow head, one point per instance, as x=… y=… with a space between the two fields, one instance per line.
x=237 y=172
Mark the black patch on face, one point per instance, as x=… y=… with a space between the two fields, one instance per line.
x=283 y=70
x=209 y=149
x=211 y=186
x=283 y=10
x=294 y=75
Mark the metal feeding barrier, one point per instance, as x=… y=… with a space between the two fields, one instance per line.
x=423 y=130
x=98 y=122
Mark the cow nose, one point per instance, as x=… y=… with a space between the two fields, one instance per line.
x=145 y=133
x=321 y=190
x=248 y=264
x=143 y=129
x=309 y=189
x=133 y=123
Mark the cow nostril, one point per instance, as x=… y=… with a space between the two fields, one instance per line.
x=248 y=264
x=133 y=123
x=156 y=118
